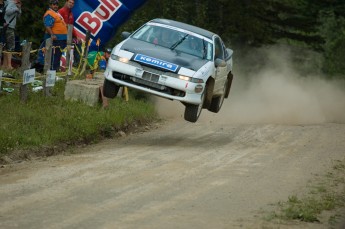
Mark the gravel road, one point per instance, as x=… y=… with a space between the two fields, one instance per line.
x=177 y=175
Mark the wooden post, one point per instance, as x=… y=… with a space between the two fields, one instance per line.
x=26 y=48
x=47 y=64
x=68 y=52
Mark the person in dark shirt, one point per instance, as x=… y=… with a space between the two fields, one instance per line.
x=2 y=23
x=12 y=12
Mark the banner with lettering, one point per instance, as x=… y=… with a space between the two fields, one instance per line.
x=102 y=17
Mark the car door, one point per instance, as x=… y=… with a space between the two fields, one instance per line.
x=220 y=71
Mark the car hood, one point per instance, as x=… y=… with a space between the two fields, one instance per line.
x=165 y=54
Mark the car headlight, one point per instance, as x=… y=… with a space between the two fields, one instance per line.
x=118 y=58
x=190 y=79
x=186 y=78
x=123 y=60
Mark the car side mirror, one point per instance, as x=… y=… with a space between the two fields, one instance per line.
x=125 y=35
x=220 y=63
x=229 y=51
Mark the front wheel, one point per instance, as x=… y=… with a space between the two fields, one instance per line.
x=217 y=102
x=192 y=112
x=110 y=89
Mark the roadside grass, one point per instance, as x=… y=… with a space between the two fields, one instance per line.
x=50 y=123
x=325 y=193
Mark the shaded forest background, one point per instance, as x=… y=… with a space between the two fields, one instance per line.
x=308 y=26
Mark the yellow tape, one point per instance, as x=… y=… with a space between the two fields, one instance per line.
x=75 y=71
x=10 y=80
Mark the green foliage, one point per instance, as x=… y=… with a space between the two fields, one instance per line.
x=47 y=121
x=30 y=25
x=332 y=28
x=307 y=209
x=326 y=195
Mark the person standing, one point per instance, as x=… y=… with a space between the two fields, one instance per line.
x=2 y=12
x=67 y=14
x=56 y=29
x=2 y=23
x=13 y=11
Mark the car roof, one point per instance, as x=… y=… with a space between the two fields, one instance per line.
x=185 y=26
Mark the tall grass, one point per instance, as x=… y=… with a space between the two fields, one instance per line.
x=49 y=121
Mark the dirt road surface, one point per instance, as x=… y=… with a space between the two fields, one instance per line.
x=225 y=171
x=180 y=175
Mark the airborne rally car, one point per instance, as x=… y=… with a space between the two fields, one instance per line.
x=175 y=61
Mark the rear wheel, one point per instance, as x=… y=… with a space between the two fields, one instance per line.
x=192 y=112
x=110 y=89
x=217 y=102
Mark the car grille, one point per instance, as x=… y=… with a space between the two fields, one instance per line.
x=149 y=80
x=150 y=77
x=148 y=83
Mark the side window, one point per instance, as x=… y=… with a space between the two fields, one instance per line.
x=219 y=52
x=226 y=54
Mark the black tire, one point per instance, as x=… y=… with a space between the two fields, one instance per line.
x=110 y=89
x=208 y=93
x=217 y=102
x=192 y=112
x=230 y=78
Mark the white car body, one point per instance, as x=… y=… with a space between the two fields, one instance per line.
x=184 y=68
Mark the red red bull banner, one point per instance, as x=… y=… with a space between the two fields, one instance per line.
x=102 y=17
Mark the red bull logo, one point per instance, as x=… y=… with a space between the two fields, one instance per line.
x=93 y=21
x=101 y=18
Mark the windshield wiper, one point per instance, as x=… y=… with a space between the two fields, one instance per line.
x=178 y=42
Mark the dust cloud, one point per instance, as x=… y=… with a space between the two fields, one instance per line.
x=269 y=87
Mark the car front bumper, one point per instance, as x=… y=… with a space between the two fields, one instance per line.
x=146 y=79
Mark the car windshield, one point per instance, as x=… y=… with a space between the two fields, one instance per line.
x=177 y=40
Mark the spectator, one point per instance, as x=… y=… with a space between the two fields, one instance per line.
x=56 y=29
x=2 y=12
x=67 y=14
x=95 y=57
x=95 y=60
x=2 y=22
x=107 y=54
x=13 y=11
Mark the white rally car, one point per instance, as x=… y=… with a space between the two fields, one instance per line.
x=175 y=61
